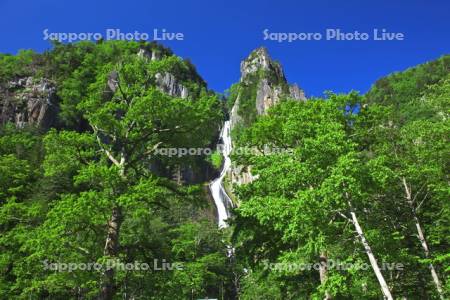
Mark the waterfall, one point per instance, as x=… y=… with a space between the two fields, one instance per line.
x=221 y=199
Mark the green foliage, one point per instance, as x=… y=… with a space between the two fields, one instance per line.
x=14 y=66
x=247 y=96
x=402 y=89
x=246 y=92
x=55 y=208
x=216 y=159
x=232 y=93
x=74 y=67
x=387 y=165
x=414 y=151
x=343 y=163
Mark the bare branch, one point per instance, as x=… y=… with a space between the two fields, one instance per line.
x=345 y=217
x=106 y=151
x=418 y=192
x=421 y=202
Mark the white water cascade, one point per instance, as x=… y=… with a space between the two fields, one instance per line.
x=221 y=199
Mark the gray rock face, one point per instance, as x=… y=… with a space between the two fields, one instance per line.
x=267 y=95
x=168 y=84
x=113 y=81
x=258 y=60
x=234 y=116
x=296 y=93
x=155 y=56
x=271 y=82
x=144 y=53
x=28 y=101
x=241 y=175
x=271 y=86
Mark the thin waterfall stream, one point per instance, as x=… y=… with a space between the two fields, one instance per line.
x=221 y=199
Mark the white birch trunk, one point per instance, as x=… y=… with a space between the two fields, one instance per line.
x=373 y=261
x=423 y=241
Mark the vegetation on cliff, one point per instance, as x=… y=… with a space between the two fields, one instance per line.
x=357 y=208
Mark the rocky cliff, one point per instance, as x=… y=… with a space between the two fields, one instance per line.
x=167 y=82
x=43 y=89
x=28 y=101
x=170 y=85
x=33 y=99
x=262 y=85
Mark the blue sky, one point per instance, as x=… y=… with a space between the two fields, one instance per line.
x=219 y=34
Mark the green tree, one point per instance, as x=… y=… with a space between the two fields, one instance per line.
x=306 y=198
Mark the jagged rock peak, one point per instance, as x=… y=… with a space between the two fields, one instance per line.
x=259 y=59
x=259 y=64
x=268 y=77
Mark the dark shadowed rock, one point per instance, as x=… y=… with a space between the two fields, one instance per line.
x=29 y=101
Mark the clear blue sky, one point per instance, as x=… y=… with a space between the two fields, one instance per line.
x=219 y=34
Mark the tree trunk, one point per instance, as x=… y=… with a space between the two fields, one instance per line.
x=373 y=261
x=111 y=250
x=434 y=275
x=323 y=260
x=423 y=241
